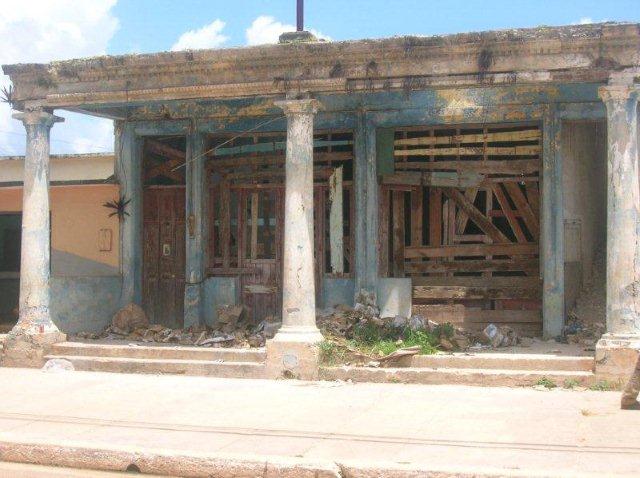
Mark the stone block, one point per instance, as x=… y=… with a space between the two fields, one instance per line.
x=291 y=359
x=616 y=357
x=28 y=350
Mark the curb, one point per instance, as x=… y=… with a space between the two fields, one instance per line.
x=171 y=463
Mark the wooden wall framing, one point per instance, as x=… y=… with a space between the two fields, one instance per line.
x=460 y=216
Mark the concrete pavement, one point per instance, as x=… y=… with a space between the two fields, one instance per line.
x=190 y=426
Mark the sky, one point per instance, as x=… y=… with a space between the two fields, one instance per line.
x=46 y=30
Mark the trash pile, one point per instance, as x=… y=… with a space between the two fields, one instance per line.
x=232 y=329
x=582 y=333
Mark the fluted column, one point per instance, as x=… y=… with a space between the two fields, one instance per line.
x=35 y=328
x=615 y=352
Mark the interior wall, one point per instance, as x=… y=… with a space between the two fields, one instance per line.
x=585 y=202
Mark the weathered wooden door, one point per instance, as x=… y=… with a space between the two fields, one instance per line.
x=164 y=254
x=460 y=216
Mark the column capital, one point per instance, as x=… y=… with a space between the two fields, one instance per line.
x=307 y=106
x=37 y=117
x=618 y=92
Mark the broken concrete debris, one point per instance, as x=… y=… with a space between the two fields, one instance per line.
x=503 y=336
x=232 y=329
x=58 y=365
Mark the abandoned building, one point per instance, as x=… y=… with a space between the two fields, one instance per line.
x=474 y=176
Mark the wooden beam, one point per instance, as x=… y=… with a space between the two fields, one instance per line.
x=501 y=136
x=416 y=216
x=524 y=208
x=336 y=223
x=435 y=217
x=528 y=150
x=491 y=265
x=508 y=212
x=398 y=233
x=462 y=219
x=489 y=292
x=254 y=225
x=471 y=250
x=502 y=282
x=225 y=224
x=515 y=166
x=475 y=215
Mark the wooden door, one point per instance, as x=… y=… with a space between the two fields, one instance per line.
x=164 y=255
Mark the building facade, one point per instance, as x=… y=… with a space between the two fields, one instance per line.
x=465 y=174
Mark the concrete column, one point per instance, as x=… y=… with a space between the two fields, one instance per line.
x=366 y=197
x=26 y=343
x=195 y=230
x=128 y=150
x=552 y=229
x=615 y=351
x=292 y=352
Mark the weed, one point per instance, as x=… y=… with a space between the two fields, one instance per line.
x=602 y=386
x=331 y=353
x=547 y=383
x=571 y=383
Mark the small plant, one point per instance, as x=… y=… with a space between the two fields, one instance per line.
x=546 y=383
x=6 y=95
x=119 y=207
x=330 y=353
x=570 y=383
x=602 y=386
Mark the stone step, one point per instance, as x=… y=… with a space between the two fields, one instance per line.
x=502 y=361
x=164 y=366
x=456 y=376
x=125 y=350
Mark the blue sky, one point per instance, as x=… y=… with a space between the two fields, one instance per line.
x=45 y=30
x=152 y=25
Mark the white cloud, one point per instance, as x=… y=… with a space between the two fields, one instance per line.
x=585 y=21
x=209 y=36
x=265 y=29
x=46 y=30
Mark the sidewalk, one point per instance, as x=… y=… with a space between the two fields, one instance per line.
x=165 y=424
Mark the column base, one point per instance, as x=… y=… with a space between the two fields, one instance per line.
x=294 y=353
x=616 y=357
x=22 y=349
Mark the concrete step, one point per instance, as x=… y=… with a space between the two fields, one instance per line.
x=124 y=350
x=502 y=361
x=164 y=366
x=456 y=376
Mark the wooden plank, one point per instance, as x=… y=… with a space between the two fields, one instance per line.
x=416 y=216
x=493 y=265
x=274 y=160
x=515 y=166
x=452 y=292
x=462 y=219
x=435 y=217
x=336 y=223
x=254 y=225
x=164 y=150
x=518 y=282
x=524 y=208
x=225 y=224
x=383 y=245
x=470 y=250
x=475 y=215
x=508 y=212
x=501 y=136
x=533 y=196
x=232 y=271
x=524 y=150
x=502 y=316
x=398 y=233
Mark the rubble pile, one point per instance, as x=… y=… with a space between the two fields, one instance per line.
x=232 y=329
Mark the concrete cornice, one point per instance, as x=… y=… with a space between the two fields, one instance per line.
x=545 y=54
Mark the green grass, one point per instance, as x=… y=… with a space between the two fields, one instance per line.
x=570 y=383
x=376 y=341
x=602 y=386
x=547 y=383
